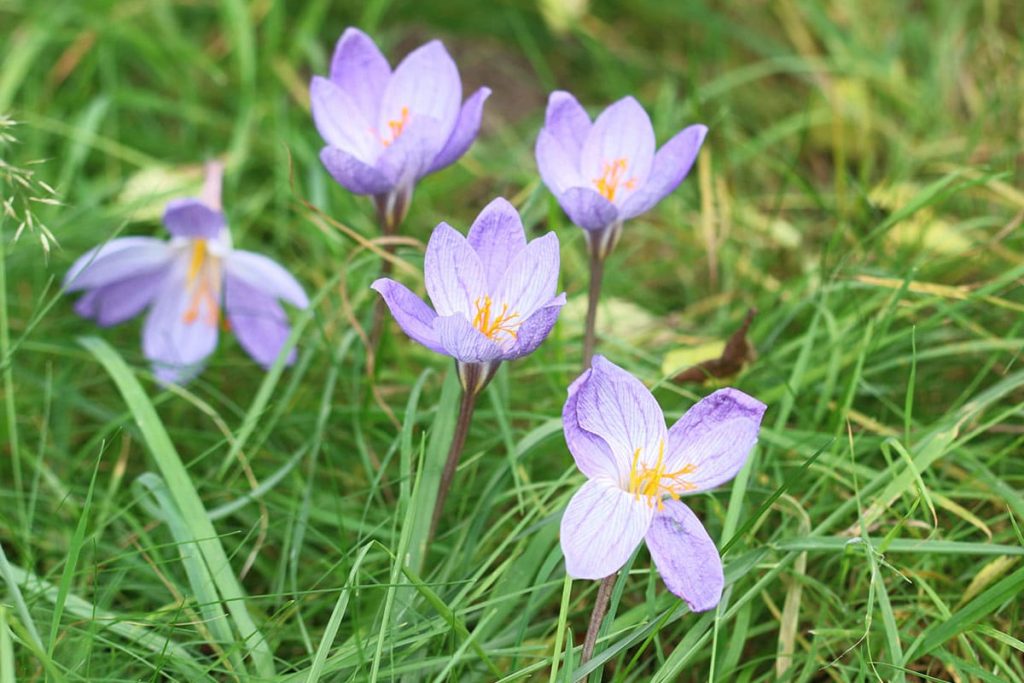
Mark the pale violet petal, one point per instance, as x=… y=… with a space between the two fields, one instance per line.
x=685 y=556
x=601 y=528
x=714 y=438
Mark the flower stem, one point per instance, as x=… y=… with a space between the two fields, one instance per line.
x=388 y=227
x=604 y=594
x=466 y=407
x=590 y=332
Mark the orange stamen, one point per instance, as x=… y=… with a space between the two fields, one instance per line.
x=204 y=285
x=395 y=127
x=654 y=483
x=493 y=325
x=612 y=177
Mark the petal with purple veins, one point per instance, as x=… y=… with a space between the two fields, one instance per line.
x=671 y=165
x=425 y=83
x=175 y=342
x=340 y=122
x=192 y=218
x=593 y=455
x=497 y=236
x=715 y=436
x=601 y=528
x=452 y=272
x=360 y=69
x=410 y=312
x=588 y=209
x=258 y=321
x=353 y=174
x=466 y=128
x=686 y=557
x=408 y=157
x=464 y=342
x=266 y=275
x=536 y=328
x=622 y=132
x=531 y=278
x=616 y=406
x=117 y=260
x=567 y=122
x=558 y=169
x=121 y=300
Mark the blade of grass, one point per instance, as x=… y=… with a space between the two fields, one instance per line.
x=185 y=496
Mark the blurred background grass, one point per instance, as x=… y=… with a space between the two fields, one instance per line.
x=861 y=187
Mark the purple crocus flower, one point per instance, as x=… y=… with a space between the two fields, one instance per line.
x=606 y=172
x=637 y=471
x=493 y=294
x=387 y=129
x=192 y=285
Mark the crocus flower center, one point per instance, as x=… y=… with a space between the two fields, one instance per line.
x=203 y=284
x=654 y=483
x=613 y=176
x=395 y=127
x=494 y=323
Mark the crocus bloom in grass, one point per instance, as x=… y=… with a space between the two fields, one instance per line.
x=637 y=471
x=387 y=129
x=192 y=285
x=493 y=293
x=607 y=171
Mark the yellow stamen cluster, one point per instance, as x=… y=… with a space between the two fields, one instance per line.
x=654 y=483
x=491 y=324
x=395 y=127
x=204 y=285
x=613 y=175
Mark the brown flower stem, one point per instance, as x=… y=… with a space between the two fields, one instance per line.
x=590 y=332
x=466 y=407
x=604 y=594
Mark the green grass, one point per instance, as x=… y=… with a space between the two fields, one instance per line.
x=861 y=186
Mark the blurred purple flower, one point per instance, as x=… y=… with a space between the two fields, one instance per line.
x=637 y=471
x=387 y=129
x=606 y=172
x=185 y=283
x=494 y=294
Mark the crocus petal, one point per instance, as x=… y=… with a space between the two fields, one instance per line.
x=410 y=312
x=601 y=528
x=587 y=208
x=257 y=320
x=497 y=236
x=266 y=275
x=407 y=159
x=340 y=121
x=466 y=129
x=531 y=278
x=464 y=342
x=361 y=71
x=623 y=131
x=685 y=556
x=189 y=217
x=536 y=328
x=558 y=168
x=117 y=260
x=121 y=300
x=175 y=343
x=425 y=83
x=715 y=436
x=452 y=272
x=353 y=174
x=615 y=406
x=567 y=122
x=592 y=454
x=671 y=165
